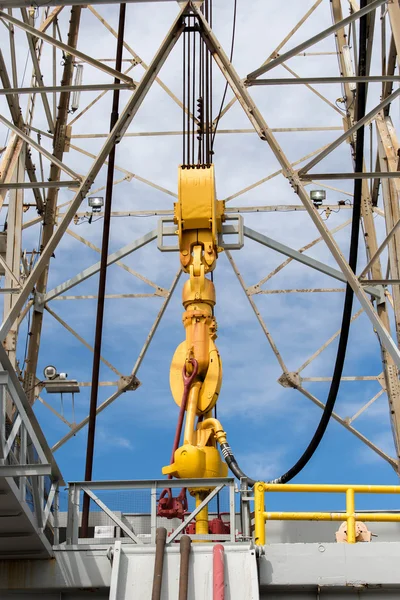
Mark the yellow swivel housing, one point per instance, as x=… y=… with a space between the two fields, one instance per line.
x=199 y=217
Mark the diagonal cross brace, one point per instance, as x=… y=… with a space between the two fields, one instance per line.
x=347 y=134
x=127 y=530
x=122 y=124
x=303 y=258
x=36 y=33
x=194 y=514
x=316 y=38
x=39 y=148
x=112 y=258
x=265 y=133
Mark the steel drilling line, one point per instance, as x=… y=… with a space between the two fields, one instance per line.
x=102 y=283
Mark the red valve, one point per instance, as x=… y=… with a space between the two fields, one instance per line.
x=170 y=507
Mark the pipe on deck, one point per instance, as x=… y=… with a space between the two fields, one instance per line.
x=218 y=572
x=185 y=544
x=161 y=538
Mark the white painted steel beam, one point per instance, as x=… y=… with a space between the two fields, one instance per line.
x=127 y=530
x=90 y=87
x=37 y=71
x=36 y=33
x=25 y=470
x=39 y=148
x=364 y=175
x=347 y=134
x=27 y=3
x=316 y=38
x=134 y=371
x=265 y=133
x=302 y=258
x=171 y=538
x=9 y=378
x=39 y=184
x=122 y=124
x=322 y=80
x=112 y=258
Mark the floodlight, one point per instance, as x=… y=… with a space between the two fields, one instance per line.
x=318 y=196
x=96 y=203
x=77 y=94
x=50 y=372
x=58 y=383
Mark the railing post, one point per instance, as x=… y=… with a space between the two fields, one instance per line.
x=350 y=516
x=73 y=515
x=153 y=514
x=245 y=509
x=23 y=459
x=259 y=508
x=232 y=510
x=2 y=421
x=56 y=522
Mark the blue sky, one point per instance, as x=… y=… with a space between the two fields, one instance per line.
x=268 y=426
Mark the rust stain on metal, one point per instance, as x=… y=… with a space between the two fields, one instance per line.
x=20 y=574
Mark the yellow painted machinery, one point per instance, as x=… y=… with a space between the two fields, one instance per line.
x=196 y=369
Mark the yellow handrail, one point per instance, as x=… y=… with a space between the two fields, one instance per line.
x=261 y=516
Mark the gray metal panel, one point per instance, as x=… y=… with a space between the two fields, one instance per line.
x=337 y=565
x=285 y=568
x=292 y=532
x=136 y=573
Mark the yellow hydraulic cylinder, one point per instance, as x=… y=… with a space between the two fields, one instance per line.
x=191 y=410
x=202 y=517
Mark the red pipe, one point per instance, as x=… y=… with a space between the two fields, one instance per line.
x=218 y=572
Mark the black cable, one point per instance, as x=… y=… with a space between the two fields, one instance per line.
x=194 y=91
x=200 y=102
x=210 y=159
x=207 y=93
x=226 y=85
x=348 y=303
x=188 y=95
x=184 y=100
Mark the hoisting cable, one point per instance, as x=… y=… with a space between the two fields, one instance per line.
x=197 y=90
x=348 y=303
x=102 y=282
x=226 y=85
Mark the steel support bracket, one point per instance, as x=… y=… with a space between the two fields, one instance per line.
x=35 y=470
x=236 y=227
x=290 y=380
x=38 y=302
x=4 y=378
x=382 y=298
x=128 y=383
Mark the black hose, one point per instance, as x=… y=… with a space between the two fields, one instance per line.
x=348 y=303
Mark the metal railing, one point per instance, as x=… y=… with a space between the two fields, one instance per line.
x=26 y=461
x=261 y=516
x=154 y=486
